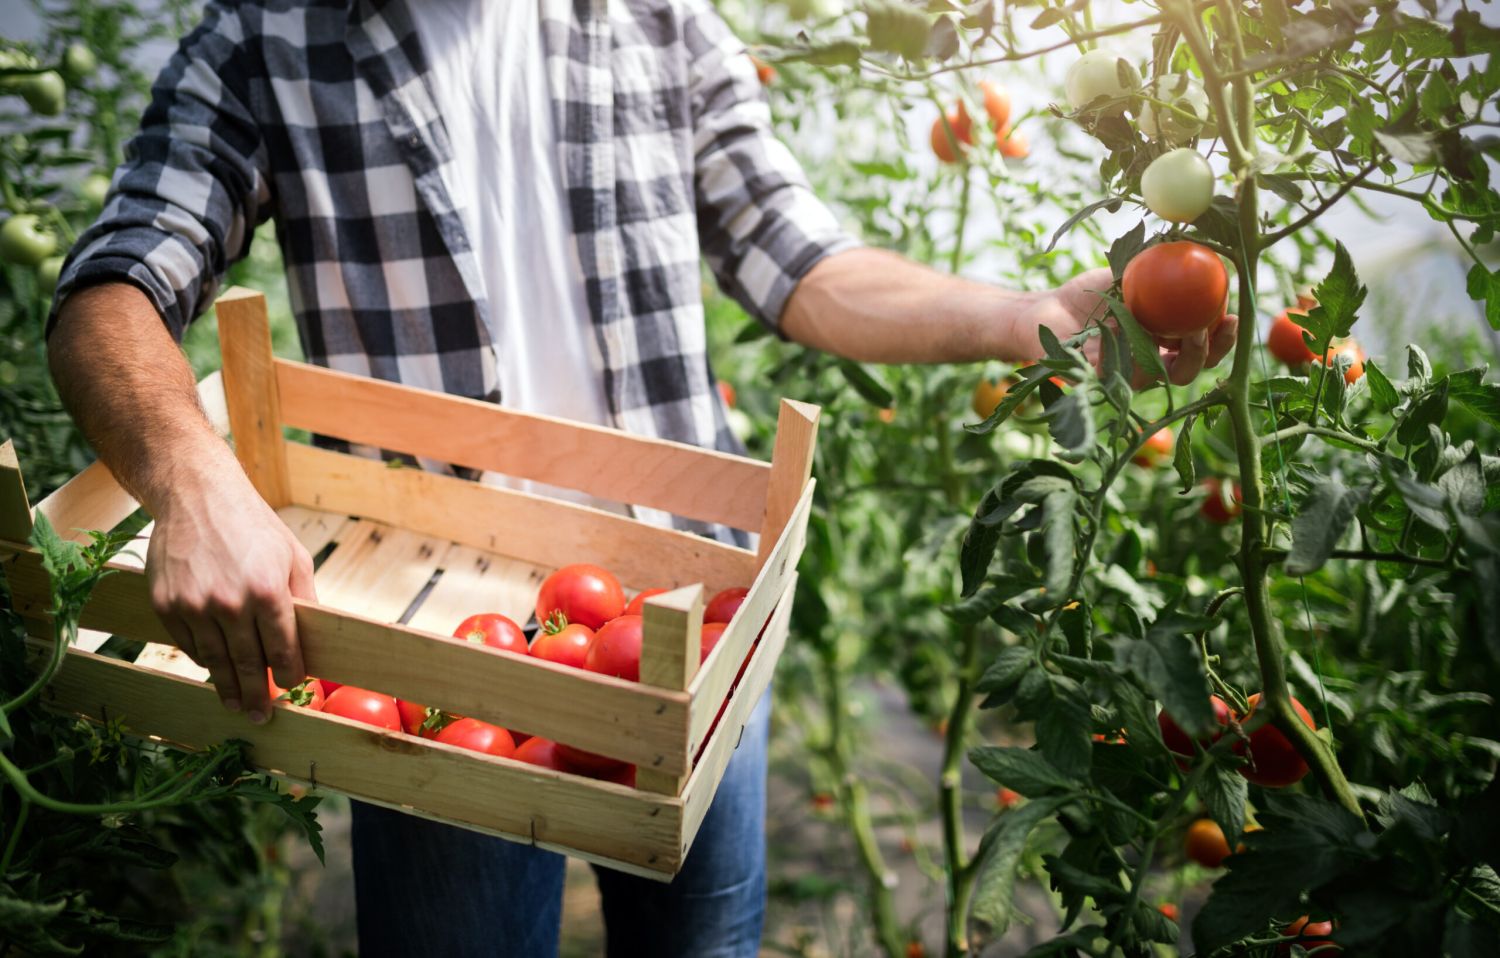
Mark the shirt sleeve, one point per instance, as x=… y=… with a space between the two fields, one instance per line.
x=760 y=225
x=185 y=203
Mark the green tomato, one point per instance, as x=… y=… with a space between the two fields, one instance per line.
x=1190 y=115
x=48 y=272
x=43 y=92
x=78 y=62
x=94 y=189
x=1178 y=186
x=24 y=241
x=1102 y=73
x=813 y=9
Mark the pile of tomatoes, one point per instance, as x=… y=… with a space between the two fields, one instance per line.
x=584 y=621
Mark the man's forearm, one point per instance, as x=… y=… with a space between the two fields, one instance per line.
x=876 y=306
x=131 y=391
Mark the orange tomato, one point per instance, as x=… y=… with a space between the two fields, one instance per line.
x=1354 y=372
x=1013 y=144
x=1173 y=289
x=764 y=70
x=1205 y=843
x=987 y=395
x=963 y=132
x=727 y=393
x=1285 y=339
x=1168 y=910
x=996 y=103
x=1157 y=449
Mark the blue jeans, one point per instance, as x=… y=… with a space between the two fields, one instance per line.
x=424 y=888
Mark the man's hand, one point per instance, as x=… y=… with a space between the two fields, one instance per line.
x=1076 y=304
x=223 y=569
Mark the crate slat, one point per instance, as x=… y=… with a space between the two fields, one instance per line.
x=15 y=509
x=639 y=470
x=314 y=528
x=611 y=822
x=172 y=661
x=540 y=530
x=377 y=570
x=250 y=387
x=477 y=581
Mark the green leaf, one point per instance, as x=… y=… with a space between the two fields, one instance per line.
x=1322 y=518
x=1381 y=391
x=1125 y=248
x=1425 y=502
x=1110 y=204
x=1169 y=664
x=1006 y=670
x=1020 y=769
x=1484 y=287
x=1143 y=349
x=1339 y=296
x=1469 y=390
x=1062 y=729
x=1224 y=793
x=1000 y=852
x=840 y=53
x=871 y=389
x=1182 y=455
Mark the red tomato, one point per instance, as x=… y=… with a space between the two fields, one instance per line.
x=1013 y=144
x=412 y=717
x=1307 y=930
x=722 y=607
x=586 y=594
x=712 y=632
x=1285 y=339
x=1173 y=289
x=622 y=775
x=568 y=645
x=478 y=736
x=308 y=693
x=1214 y=508
x=492 y=629
x=1275 y=761
x=1354 y=372
x=578 y=761
x=1007 y=797
x=963 y=132
x=727 y=393
x=330 y=687
x=637 y=605
x=616 y=649
x=1157 y=449
x=996 y=103
x=1168 y=911
x=543 y=752
x=365 y=706
x=1179 y=743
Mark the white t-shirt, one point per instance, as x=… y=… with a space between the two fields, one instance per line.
x=489 y=80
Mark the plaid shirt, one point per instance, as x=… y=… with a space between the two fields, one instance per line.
x=321 y=115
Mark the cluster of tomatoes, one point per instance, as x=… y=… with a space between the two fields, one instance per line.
x=585 y=622
x=1286 y=341
x=953 y=133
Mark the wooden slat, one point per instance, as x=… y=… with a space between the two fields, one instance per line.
x=535 y=528
x=313 y=528
x=608 y=822
x=250 y=389
x=172 y=661
x=791 y=467
x=614 y=465
x=477 y=581
x=625 y=720
x=717 y=674
x=670 y=649
x=15 y=508
x=709 y=770
x=93 y=499
x=377 y=570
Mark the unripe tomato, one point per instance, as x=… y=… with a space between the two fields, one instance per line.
x=477 y=736
x=963 y=132
x=78 y=62
x=1189 y=116
x=1102 y=73
x=365 y=706
x=47 y=273
x=1309 y=932
x=1178 y=186
x=987 y=395
x=94 y=189
x=1214 y=508
x=723 y=606
x=1205 y=843
x=616 y=649
x=1013 y=144
x=24 y=241
x=1285 y=339
x=584 y=593
x=45 y=92
x=1173 y=289
x=1156 y=450
x=1274 y=760
x=1179 y=743
x=494 y=630
x=996 y=103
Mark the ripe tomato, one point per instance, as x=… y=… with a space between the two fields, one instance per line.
x=1274 y=761
x=623 y=775
x=996 y=103
x=1354 y=372
x=1168 y=911
x=25 y=241
x=308 y=694
x=584 y=593
x=722 y=607
x=1156 y=450
x=1102 y=73
x=365 y=706
x=1178 y=186
x=1013 y=144
x=1214 y=508
x=1205 y=843
x=1285 y=339
x=915 y=949
x=616 y=649
x=579 y=762
x=566 y=643
x=963 y=132
x=330 y=687
x=727 y=393
x=478 y=736
x=542 y=752
x=712 y=632
x=1007 y=797
x=887 y=415
x=1173 y=289
x=412 y=717
x=494 y=630
x=1308 y=932
x=1179 y=743
x=637 y=605
x=763 y=70
x=987 y=395
x=822 y=802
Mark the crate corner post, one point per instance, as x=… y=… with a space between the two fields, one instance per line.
x=670 y=644
x=252 y=394
x=15 y=508
x=791 y=467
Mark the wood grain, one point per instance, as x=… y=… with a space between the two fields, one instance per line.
x=791 y=467
x=477 y=581
x=251 y=393
x=377 y=570
x=670 y=648
x=15 y=508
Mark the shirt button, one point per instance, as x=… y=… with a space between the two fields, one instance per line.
x=414 y=139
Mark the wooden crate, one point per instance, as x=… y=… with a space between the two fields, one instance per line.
x=413 y=553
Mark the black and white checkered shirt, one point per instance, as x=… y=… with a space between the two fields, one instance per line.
x=320 y=114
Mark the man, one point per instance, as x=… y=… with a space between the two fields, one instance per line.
x=504 y=200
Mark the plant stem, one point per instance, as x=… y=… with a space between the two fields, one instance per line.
x=15 y=837
x=1369 y=555
x=1336 y=435
x=950 y=791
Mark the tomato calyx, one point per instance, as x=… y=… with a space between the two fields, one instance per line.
x=555 y=623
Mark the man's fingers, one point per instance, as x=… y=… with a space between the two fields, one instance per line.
x=301 y=580
x=243 y=640
x=213 y=654
x=182 y=636
x=1221 y=339
x=276 y=621
x=1191 y=352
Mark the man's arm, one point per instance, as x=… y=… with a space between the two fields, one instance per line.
x=221 y=564
x=877 y=306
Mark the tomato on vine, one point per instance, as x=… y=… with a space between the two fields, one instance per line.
x=1274 y=760
x=1158 y=449
x=1176 y=288
x=1179 y=743
x=1179 y=186
x=962 y=127
x=996 y=104
x=25 y=241
x=1104 y=77
x=1205 y=843
x=1285 y=339
x=987 y=395
x=1216 y=507
x=1309 y=935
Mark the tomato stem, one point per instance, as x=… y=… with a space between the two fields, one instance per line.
x=950 y=791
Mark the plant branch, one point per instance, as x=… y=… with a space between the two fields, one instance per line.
x=1302 y=429
x=1371 y=555
x=1272 y=239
